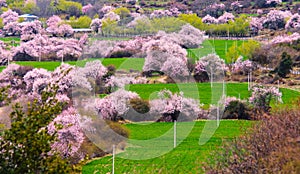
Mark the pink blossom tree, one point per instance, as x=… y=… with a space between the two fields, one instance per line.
x=106 y=9
x=36 y=80
x=273 y=3
x=115 y=105
x=64 y=30
x=53 y=23
x=215 y=9
x=225 y=18
x=30 y=29
x=261 y=97
x=85 y=9
x=12 y=28
x=3 y=3
x=9 y=16
x=12 y=77
x=111 y=16
x=200 y=73
x=214 y=66
x=236 y=5
x=285 y=38
x=45 y=48
x=5 y=55
x=159 y=52
x=274 y=20
x=57 y=28
x=10 y=19
x=96 y=25
x=293 y=24
x=243 y=67
x=255 y=25
x=174 y=107
x=70 y=135
x=209 y=19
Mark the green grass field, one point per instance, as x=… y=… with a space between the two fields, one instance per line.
x=204 y=92
x=185 y=158
x=11 y=41
x=119 y=63
x=209 y=46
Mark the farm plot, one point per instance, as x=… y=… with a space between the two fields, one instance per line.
x=185 y=158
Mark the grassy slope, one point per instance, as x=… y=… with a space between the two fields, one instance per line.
x=203 y=91
x=185 y=158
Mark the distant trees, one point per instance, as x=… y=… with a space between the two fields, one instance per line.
x=238 y=27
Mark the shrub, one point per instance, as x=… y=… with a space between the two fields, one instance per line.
x=140 y=105
x=285 y=65
x=26 y=146
x=81 y=22
x=236 y=110
x=272 y=146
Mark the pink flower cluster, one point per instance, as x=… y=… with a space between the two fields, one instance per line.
x=209 y=19
x=30 y=29
x=115 y=104
x=70 y=136
x=225 y=18
x=256 y=24
x=169 y=103
x=243 y=66
x=228 y=100
x=212 y=64
x=215 y=9
x=221 y=20
x=236 y=5
x=261 y=96
x=96 y=25
x=159 y=52
x=9 y=16
x=200 y=67
x=216 y=6
x=2 y=3
x=106 y=9
x=86 y=8
x=5 y=54
x=273 y=1
x=137 y=19
x=49 y=48
x=187 y=37
x=275 y=19
x=173 y=12
x=293 y=23
x=285 y=39
x=56 y=28
x=111 y=16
